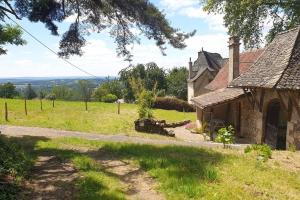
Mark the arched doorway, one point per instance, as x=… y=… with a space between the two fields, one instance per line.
x=276 y=126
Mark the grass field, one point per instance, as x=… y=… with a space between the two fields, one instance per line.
x=182 y=172
x=100 y=117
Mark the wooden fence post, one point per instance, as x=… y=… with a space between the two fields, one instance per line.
x=41 y=101
x=86 y=106
x=119 y=107
x=25 y=104
x=6 y=112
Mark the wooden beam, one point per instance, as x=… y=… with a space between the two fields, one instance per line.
x=290 y=109
x=282 y=101
x=246 y=93
x=294 y=101
x=261 y=101
x=255 y=102
x=253 y=98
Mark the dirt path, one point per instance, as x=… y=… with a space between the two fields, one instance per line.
x=19 y=131
x=185 y=135
x=140 y=185
x=51 y=179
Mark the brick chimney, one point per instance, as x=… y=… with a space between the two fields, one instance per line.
x=234 y=58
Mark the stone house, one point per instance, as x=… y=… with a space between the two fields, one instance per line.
x=202 y=71
x=263 y=101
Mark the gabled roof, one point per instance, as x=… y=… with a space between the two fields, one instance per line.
x=246 y=60
x=291 y=77
x=278 y=66
x=217 y=97
x=206 y=61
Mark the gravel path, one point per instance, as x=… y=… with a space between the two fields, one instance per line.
x=19 y=131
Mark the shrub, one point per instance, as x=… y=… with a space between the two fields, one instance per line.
x=203 y=129
x=292 y=148
x=225 y=135
x=15 y=162
x=109 y=98
x=172 y=103
x=264 y=151
x=51 y=96
x=145 y=101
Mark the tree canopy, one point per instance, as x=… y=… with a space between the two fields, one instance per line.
x=29 y=92
x=8 y=90
x=120 y=16
x=246 y=18
x=177 y=82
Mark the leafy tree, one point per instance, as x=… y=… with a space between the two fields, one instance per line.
x=150 y=75
x=29 y=92
x=109 y=98
x=114 y=87
x=9 y=35
x=99 y=93
x=42 y=95
x=86 y=91
x=155 y=76
x=52 y=98
x=8 y=90
x=62 y=92
x=177 y=82
x=246 y=18
x=129 y=73
x=120 y=16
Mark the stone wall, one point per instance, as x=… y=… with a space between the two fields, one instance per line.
x=251 y=122
x=197 y=87
x=293 y=130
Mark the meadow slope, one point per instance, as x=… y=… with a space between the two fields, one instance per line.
x=100 y=117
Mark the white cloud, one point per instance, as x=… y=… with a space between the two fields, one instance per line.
x=175 y=4
x=24 y=62
x=214 y=21
x=100 y=58
x=216 y=43
x=193 y=9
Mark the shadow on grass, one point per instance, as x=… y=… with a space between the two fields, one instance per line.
x=22 y=153
x=16 y=159
x=181 y=171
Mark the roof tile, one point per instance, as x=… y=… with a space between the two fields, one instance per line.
x=246 y=60
x=271 y=66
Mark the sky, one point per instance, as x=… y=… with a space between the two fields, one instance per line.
x=100 y=57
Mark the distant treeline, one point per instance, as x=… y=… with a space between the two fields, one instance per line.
x=167 y=82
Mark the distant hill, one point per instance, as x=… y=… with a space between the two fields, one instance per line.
x=48 y=82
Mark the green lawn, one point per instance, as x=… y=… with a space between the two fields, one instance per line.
x=100 y=118
x=185 y=172
x=182 y=172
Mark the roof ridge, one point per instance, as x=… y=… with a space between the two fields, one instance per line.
x=252 y=51
x=286 y=31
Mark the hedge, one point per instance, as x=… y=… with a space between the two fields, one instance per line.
x=172 y=103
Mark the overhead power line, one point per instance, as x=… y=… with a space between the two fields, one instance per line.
x=54 y=52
